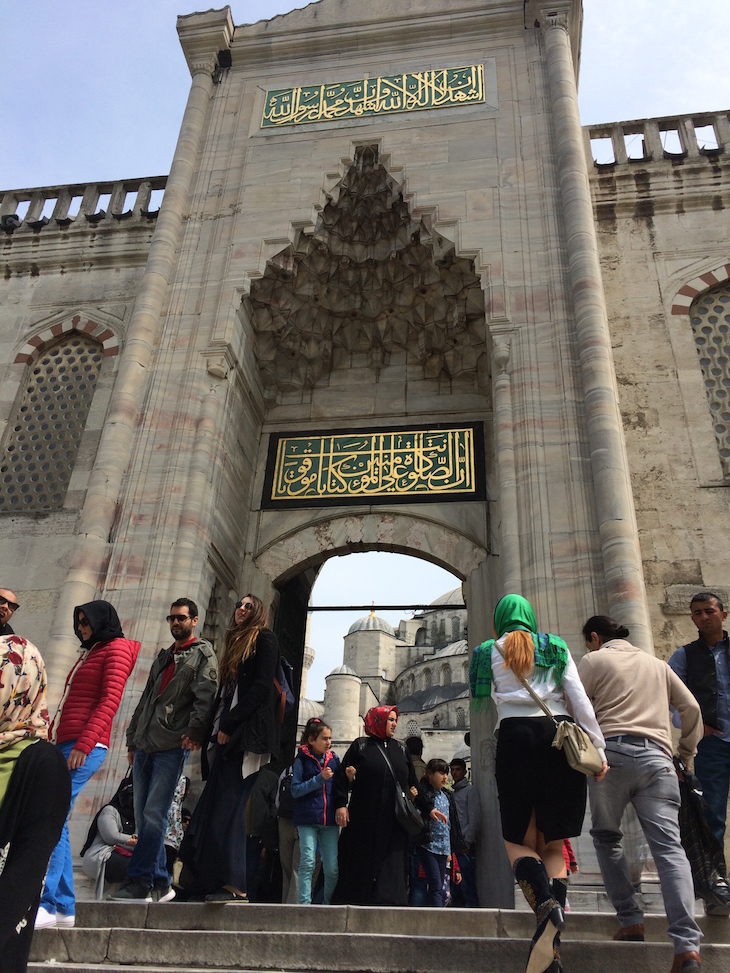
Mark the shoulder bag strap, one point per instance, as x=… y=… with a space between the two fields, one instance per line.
x=390 y=767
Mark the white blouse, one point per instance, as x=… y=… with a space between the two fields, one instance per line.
x=568 y=699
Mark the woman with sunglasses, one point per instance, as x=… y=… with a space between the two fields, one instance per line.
x=245 y=734
x=82 y=728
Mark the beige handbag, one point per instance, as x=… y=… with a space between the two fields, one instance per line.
x=569 y=737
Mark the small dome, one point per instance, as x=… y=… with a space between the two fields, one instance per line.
x=343 y=671
x=461 y=647
x=308 y=709
x=371 y=623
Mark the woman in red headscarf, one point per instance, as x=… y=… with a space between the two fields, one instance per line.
x=373 y=848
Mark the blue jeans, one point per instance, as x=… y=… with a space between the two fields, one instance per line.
x=712 y=767
x=155 y=776
x=644 y=777
x=58 y=892
x=327 y=835
x=435 y=868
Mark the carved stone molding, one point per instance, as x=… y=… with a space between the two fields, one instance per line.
x=370 y=280
x=203 y=36
x=403 y=534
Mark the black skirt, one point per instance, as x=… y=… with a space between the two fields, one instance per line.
x=533 y=776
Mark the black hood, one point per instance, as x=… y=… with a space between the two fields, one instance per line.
x=104 y=621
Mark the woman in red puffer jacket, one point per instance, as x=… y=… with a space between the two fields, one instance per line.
x=82 y=728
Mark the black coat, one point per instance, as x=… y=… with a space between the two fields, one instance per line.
x=373 y=848
x=252 y=724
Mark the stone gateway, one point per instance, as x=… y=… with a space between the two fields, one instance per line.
x=380 y=218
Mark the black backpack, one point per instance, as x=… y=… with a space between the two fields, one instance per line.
x=284 y=799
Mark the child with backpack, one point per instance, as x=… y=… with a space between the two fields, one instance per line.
x=314 y=813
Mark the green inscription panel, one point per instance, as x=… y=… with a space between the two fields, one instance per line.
x=442 y=88
x=365 y=467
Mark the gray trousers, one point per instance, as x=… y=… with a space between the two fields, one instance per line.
x=645 y=777
x=289 y=858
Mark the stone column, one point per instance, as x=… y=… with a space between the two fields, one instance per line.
x=202 y=37
x=509 y=528
x=494 y=876
x=626 y=595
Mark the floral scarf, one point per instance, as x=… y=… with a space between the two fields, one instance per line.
x=23 y=708
x=514 y=613
x=376 y=720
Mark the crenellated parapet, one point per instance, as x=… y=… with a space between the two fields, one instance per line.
x=639 y=169
x=672 y=138
x=76 y=207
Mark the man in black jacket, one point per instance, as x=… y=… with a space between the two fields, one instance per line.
x=704 y=666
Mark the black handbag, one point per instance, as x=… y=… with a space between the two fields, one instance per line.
x=406 y=813
x=704 y=851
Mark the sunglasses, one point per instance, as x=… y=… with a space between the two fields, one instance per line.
x=178 y=618
x=247 y=606
x=12 y=605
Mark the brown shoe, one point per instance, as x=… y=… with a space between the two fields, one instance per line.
x=685 y=963
x=630 y=934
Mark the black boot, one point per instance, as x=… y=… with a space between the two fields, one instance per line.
x=560 y=893
x=535 y=884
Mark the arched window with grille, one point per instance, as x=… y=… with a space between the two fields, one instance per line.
x=710 y=318
x=43 y=435
x=446 y=674
x=460 y=718
x=427 y=679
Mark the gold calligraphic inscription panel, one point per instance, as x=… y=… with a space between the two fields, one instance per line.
x=371 y=466
x=441 y=88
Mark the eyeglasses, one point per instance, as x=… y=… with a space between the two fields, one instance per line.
x=84 y=621
x=248 y=606
x=12 y=605
x=178 y=618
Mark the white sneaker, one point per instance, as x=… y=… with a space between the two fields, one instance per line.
x=44 y=919
x=63 y=920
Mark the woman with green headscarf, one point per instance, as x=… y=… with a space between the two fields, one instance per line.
x=542 y=799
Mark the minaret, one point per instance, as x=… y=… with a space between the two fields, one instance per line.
x=307 y=659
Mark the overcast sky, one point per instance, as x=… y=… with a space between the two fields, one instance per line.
x=94 y=90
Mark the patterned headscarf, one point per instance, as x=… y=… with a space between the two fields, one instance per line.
x=376 y=720
x=515 y=613
x=23 y=708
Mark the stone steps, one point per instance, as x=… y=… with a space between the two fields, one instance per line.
x=191 y=938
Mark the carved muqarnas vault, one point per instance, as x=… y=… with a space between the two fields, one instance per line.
x=371 y=286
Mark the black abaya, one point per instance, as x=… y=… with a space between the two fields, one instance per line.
x=373 y=848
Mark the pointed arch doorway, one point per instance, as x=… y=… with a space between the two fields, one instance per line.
x=317 y=543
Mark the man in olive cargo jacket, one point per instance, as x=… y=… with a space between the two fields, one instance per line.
x=171 y=719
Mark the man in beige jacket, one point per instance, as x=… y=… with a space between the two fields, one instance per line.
x=631 y=692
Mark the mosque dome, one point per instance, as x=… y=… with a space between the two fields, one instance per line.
x=308 y=709
x=371 y=623
x=343 y=671
x=453 y=597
